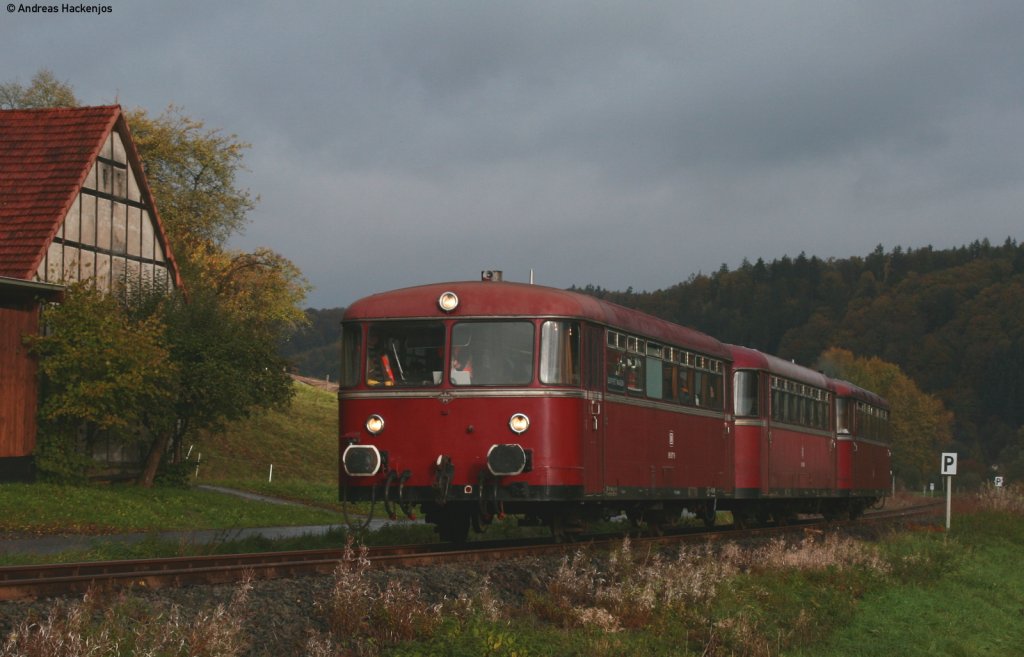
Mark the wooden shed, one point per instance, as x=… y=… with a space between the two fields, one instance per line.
x=74 y=205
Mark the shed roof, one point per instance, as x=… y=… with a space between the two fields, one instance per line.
x=45 y=156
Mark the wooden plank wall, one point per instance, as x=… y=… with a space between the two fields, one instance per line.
x=18 y=384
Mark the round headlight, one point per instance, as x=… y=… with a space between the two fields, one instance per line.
x=519 y=423
x=375 y=424
x=448 y=301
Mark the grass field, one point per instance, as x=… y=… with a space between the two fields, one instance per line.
x=301 y=443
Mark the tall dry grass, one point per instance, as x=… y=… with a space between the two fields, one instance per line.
x=633 y=590
x=1009 y=499
x=100 y=624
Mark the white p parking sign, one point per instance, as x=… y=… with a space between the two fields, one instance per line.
x=948 y=470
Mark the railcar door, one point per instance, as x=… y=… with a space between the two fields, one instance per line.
x=593 y=410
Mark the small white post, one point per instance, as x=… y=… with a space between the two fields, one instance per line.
x=199 y=458
x=271 y=477
x=949 y=499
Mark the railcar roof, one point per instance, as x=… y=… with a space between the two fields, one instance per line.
x=507 y=299
x=847 y=389
x=745 y=357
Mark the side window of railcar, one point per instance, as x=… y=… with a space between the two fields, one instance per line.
x=635 y=348
x=654 y=365
x=560 y=353
x=714 y=398
x=351 y=343
x=842 y=417
x=492 y=353
x=872 y=422
x=686 y=386
x=745 y=393
x=404 y=354
x=669 y=376
x=625 y=363
x=616 y=362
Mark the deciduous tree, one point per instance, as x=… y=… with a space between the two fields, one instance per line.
x=102 y=370
x=45 y=90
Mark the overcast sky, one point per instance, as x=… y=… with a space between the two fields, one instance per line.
x=623 y=144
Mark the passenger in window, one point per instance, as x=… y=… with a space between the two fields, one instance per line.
x=684 y=390
x=462 y=366
x=378 y=364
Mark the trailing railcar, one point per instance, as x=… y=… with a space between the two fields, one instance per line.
x=863 y=448
x=473 y=399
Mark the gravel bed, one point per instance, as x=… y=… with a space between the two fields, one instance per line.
x=282 y=613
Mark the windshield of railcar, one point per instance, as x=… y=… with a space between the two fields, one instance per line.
x=487 y=353
x=404 y=353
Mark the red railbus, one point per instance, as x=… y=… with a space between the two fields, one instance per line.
x=475 y=399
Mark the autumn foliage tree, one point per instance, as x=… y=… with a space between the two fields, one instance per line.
x=920 y=424
x=103 y=371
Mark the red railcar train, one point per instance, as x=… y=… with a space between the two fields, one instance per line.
x=477 y=399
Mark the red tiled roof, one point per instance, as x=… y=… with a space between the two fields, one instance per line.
x=44 y=158
x=45 y=155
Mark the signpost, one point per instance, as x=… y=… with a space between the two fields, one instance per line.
x=948 y=470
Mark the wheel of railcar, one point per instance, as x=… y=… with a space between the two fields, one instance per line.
x=565 y=528
x=741 y=519
x=453 y=526
x=710 y=515
x=833 y=513
x=784 y=516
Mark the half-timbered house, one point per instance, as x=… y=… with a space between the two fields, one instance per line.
x=74 y=205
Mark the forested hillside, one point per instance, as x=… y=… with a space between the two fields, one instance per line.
x=314 y=349
x=953 y=320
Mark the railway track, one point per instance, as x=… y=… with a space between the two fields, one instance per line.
x=39 y=581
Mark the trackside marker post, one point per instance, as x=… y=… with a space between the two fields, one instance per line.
x=948 y=470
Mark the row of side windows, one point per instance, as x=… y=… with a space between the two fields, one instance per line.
x=797 y=403
x=872 y=422
x=640 y=368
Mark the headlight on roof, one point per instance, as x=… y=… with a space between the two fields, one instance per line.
x=448 y=301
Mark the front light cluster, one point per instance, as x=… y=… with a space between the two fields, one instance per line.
x=519 y=423
x=375 y=424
